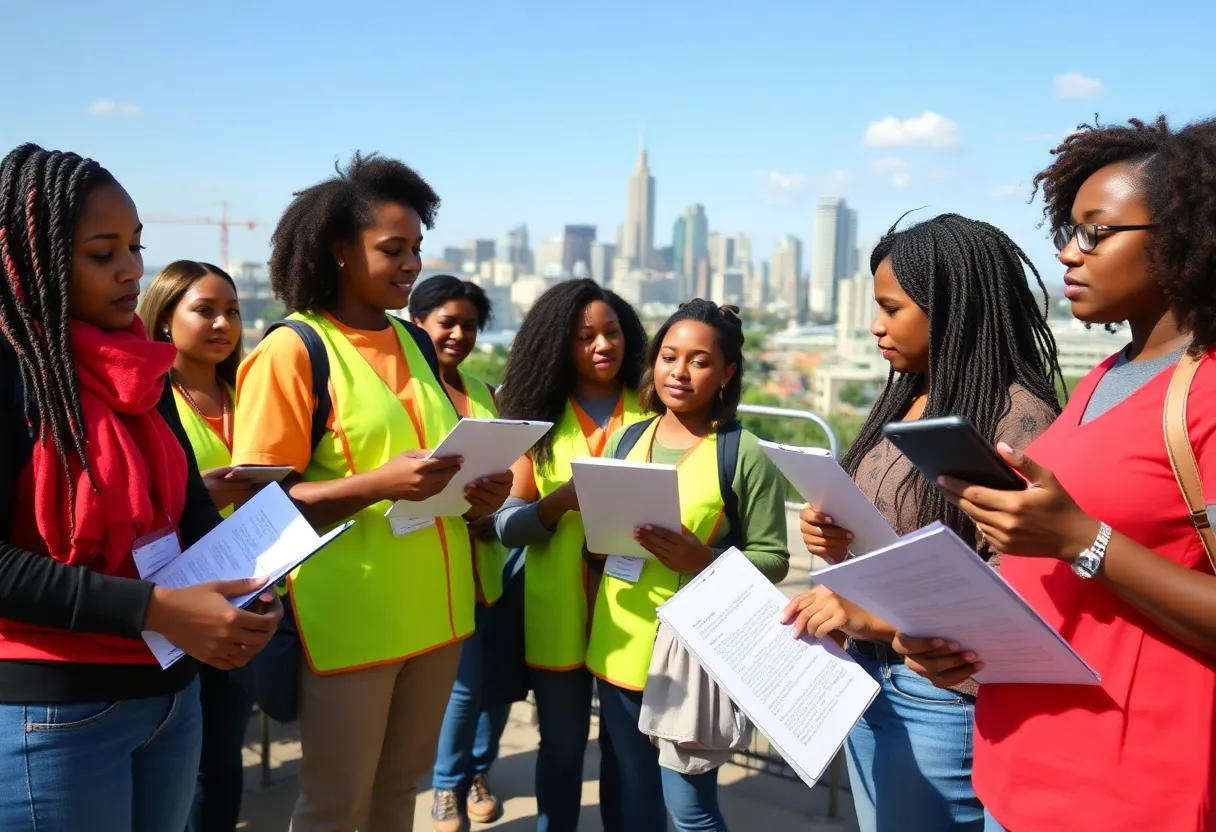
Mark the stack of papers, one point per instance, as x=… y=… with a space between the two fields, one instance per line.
x=615 y=496
x=265 y=538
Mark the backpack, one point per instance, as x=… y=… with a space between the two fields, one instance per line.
x=728 y=461
x=318 y=359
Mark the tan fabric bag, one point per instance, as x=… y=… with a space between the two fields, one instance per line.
x=1182 y=454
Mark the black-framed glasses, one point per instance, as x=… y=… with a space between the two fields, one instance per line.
x=1089 y=234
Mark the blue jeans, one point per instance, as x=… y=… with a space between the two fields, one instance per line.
x=468 y=741
x=910 y=755
x=647 y=790
x=226 y=708
x=563 y=709
x=990 y=824
x=127 y=766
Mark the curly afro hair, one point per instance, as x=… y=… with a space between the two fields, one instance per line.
x=303 y=273
x=1178 y=169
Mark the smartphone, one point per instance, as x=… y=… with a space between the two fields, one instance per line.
x=950 y=446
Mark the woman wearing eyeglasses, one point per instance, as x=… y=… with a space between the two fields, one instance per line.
x=1102 y=544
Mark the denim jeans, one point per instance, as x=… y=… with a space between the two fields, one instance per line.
x=127 y=766
x=563 y=709
x=226 y=708
x=990 y=824
x=647 y=790
x=909 y=757
x=468 y=741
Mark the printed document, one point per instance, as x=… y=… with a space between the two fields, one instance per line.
x=932 y=584
x=489 y=446
x=804 y=694
x=615 y=496
x=265 y=538
x=827 y=488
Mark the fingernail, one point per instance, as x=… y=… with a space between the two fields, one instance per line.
x=978 y=666
x=849 y=535
x=954 y=647
x=937 y=642
x=969 y=657
x=828 y=519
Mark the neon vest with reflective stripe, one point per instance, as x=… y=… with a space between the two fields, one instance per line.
x=209 y=450
x=369 y=597
x=625 y=622
x=555 y=577
x=489 y=557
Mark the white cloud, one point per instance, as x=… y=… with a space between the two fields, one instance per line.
x=836 y=180
x=926 y=130
x=110 y=107
x=1076 y=85
x=1006 y=191
x=785 y=182
x=901 y=180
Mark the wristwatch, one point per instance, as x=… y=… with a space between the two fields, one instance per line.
x=1089 y=562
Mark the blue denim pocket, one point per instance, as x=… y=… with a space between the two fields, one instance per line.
x=66 y=716
x=910 y=685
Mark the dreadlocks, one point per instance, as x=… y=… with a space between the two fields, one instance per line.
x=1178 y=170
x=986 y=333
x=41 y=194
x=540 y=375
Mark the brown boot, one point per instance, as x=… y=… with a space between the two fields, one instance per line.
x=445 y=812
x=482 y=804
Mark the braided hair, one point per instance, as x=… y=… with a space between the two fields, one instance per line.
x=540 y=376
x=41 y=196
x=303 y=272
x=1178 y=172
x=724 y=320
x=987 y=332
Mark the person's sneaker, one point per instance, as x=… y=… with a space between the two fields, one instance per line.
x=445 y=812
x=482 y=804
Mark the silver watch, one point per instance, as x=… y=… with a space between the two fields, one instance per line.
x=1089 y=562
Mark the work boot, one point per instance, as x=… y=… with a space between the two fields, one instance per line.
x=482 y=804
x=445 y=812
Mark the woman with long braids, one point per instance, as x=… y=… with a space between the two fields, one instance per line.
x=576 y=361
x=1103 y=543
x=694 y=380
x=965 y=336
x=93 y=733
x=194 y=307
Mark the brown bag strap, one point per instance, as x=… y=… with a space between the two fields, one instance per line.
x=1182 y=454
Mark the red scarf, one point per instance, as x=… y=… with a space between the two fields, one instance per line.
x=138 y=465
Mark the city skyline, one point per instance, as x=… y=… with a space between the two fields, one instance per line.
x=533 y=116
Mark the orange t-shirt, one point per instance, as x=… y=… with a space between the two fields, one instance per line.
x=274 y=387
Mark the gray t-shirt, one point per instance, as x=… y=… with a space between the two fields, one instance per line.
x=1123 y=379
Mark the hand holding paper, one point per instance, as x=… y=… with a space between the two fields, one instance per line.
x=617 y=496
x=201 y=621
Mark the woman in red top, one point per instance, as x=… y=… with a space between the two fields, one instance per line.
x=1134 y=211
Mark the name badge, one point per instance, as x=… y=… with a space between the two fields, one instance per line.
x=152 y=551
x=403 y=526
x=624 y=567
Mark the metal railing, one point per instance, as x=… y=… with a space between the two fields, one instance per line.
x=760 y=755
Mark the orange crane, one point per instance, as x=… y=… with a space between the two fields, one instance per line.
x=223 y=222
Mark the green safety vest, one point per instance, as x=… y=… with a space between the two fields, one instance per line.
x=209 y=449
x=625 y=622
x=370 y=597
x=555 y=577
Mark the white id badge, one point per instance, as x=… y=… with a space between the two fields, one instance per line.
x=403 y=526
x=624 y=567
x=152 y=551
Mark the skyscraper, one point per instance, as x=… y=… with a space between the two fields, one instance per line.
x=517 y=251
x=576 y=247
x=637 y=242
x=696 y=246
x=679 y=233
x=785 y=276
x=835 y=253
x=479 y=251
x=602 y=255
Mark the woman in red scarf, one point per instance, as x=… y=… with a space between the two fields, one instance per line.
x=93 y=733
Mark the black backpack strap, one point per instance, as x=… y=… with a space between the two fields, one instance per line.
x=318 y=358
x=630 y=437
x=728 y=463
x=424 y=343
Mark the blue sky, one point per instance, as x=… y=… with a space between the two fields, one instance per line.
x=530 y=111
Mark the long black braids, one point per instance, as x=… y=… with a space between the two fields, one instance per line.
x=540 y=376
x=1178 y=172
x=41 y=195
x=987 y=332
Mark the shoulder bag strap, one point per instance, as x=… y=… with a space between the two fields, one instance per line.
x=1182 y=454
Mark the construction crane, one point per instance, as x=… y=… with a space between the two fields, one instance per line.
x=223 y=222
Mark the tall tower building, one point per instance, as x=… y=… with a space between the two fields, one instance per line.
x=785 y=276
x=834 y=256
x=576 y=247
x=637 y=243
x=517 y=251
x=696 y=246
x=602 y=255
x=679 y=234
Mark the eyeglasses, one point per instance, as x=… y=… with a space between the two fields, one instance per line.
x=1089 y=234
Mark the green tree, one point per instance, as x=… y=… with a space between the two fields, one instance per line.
x=854 y=394
x=489 y=366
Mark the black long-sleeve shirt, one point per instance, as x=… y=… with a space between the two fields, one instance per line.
x=40 y=590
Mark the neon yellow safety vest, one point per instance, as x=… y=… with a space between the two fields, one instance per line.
x=370 y=597
x=555 y=577
x=489 y=558
x=209 y=450
x=625 y=622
